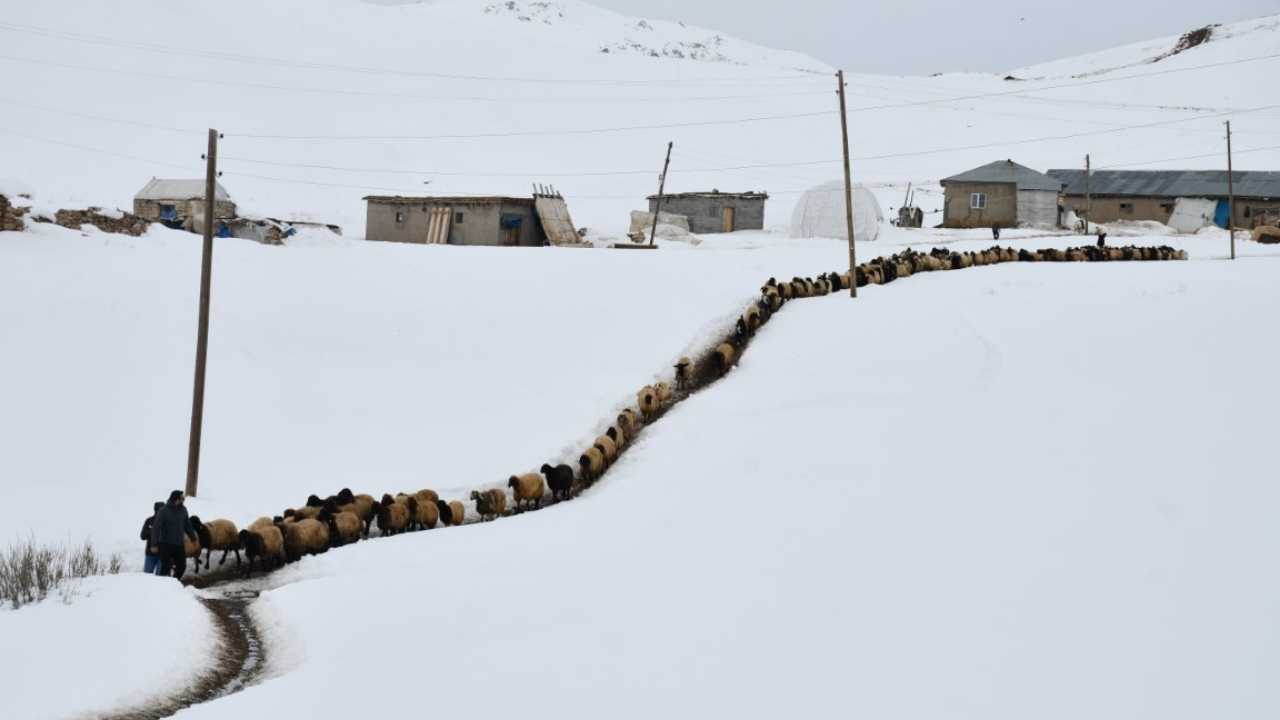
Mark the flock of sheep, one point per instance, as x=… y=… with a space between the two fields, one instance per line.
x=321 y=524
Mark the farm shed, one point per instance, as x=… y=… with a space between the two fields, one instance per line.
x=180 y=203
x=1153 y=194
x=495 y=221
x=1001 y=193
x=715 y=212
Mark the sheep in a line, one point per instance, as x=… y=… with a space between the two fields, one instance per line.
x=591 y=465
x=393 y=516
x=724 y=355
x=528 y=490
x=648 y=400
x=344 y=527
x=452 y=513
x=216 y=535
x=559 y=479
x=305 y=536
x=263 y=543
x=491 y=504
x=606 y=445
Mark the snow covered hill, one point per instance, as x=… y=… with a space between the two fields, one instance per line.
x=325 y=101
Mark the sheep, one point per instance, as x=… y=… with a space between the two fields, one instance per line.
x=305 y=537
x=559 y=479
x=664 y=392
x=606 y=445
x=423 y=513
x=264 y=543
x=191 y=548
x=364 y=506
x=452 y=512
x=217 y=535
x=682 y=378
x=527 y=490
x=591 y=464
x=618 y=437
x=648 y=398
x=308 y=512
x=752 y=318
x=628 y=421
x=491 y=504
x=724 y=355
x=261 y=522
x=393 y=517
x=344 y=527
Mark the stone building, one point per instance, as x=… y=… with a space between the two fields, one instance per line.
x=1001 y=193
x=180 y=203
x=1113 y=195
x=498 y=221
x=715 y=212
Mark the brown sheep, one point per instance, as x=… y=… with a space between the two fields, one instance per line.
x=191 y=548
x=648 y=398
x=345 y=527
x=490 y=504
x=628 y=421
x=606 y=445
x=364 y=506
x=724 y=356
x=264 y=543
x=217 y=535
x=591 y=464
x=664 y=392
x=528 y=489
x=308 y=512
x=457 y=512
x=423 y=513
x=393 y=517
x=618 y=437
x=305 y=537
x=261 y=522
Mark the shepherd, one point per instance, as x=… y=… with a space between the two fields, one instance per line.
x=151 y=560
x=170 y=525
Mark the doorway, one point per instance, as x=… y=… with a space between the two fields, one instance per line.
x=726 y=220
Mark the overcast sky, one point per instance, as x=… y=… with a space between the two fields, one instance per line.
x=926 y=36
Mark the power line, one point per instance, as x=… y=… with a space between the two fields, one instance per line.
x=182 y=79
x=99 y=151
x=365 y=70
x=537 y=133
x=100 y=118
x=1120 y=166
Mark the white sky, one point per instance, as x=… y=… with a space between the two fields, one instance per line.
x=926 y=36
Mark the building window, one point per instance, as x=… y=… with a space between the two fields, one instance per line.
x=1126 y=208
x=168 y=212
x=399 y=217
x=1167 y=207
x=1248 y=211
x=457 y=218
x=977 y=201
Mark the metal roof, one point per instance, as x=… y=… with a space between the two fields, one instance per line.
x=1171 y=183
x=459 y=200
x=714 y=194
x=1007 y=171
x=170 y=189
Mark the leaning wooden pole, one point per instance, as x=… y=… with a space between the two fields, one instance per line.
x=662 y=187
x=1231 y=196
x=848 y=188
x=202 y=332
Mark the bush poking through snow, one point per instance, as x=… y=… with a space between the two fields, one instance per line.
x=29 y=572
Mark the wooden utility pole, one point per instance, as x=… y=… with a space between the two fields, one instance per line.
x=848 y=187
x=1088 y=193
x=662 y=186
x=1231 y=196
x=202 y=332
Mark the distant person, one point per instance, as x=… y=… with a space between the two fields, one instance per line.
x=995 y=231
x=170 y=525
x=1102 y=237
x=151 y=560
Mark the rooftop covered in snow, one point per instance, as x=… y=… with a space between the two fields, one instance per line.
x=1005 y=172
x=1171 y=183
x=178 y=189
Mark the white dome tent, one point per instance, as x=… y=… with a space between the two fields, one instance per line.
x=820 y=213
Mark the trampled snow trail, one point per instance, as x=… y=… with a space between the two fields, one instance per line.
x=239 y=661
x=242 y=654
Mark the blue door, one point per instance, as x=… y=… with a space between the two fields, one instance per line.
x=1223 y=214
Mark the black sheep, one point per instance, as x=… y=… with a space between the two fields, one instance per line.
x=559 y=479
x=446 y=512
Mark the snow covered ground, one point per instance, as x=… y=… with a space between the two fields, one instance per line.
x=1005 y=492
x=122 y=641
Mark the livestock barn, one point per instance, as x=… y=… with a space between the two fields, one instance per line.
x=1001 y=193
x=180 y=203
x=1153 y=194
x=495 y=221
x=715 y=212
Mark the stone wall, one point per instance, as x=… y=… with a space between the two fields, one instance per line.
x=10 y=216
x=126 y=224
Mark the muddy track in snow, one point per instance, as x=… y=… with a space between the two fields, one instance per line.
x=237 y=662
x=242 y=654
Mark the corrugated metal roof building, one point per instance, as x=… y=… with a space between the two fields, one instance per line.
x=1001 y=193
x=179 y=203
x=1152 y=194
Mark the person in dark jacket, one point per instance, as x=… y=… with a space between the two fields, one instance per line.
x=151 y=561
x=171 y=523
